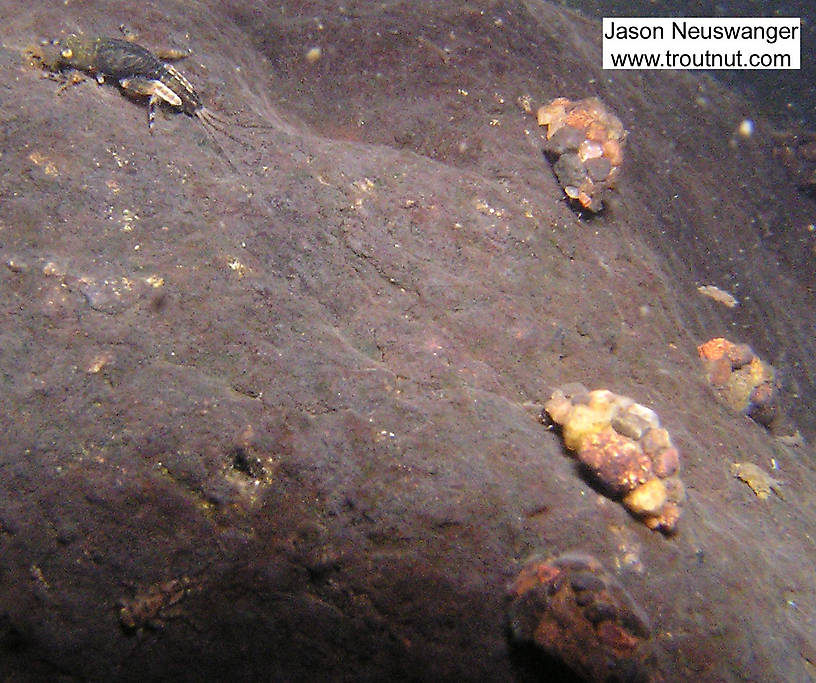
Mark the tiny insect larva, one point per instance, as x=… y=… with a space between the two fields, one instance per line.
x=136 y=70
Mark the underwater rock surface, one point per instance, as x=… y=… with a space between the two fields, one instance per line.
x=275 y=422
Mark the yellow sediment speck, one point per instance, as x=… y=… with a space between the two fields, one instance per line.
x=128 y=217
x=525 y=103
x=365 y=185
x=237 y=266
x=99 y=362
x=49 y=167
x=483 y=207
x=51 y=269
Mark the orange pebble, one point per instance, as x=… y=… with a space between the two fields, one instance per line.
x=613 y=151
x=714 y=348
x=597 y=132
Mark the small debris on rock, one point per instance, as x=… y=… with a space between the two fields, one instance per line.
x=719 y=295
x=622 y=443
x=796 y=149
x=149 y=608
x=572 y=610
x=759 y=480
x=585 y=143
x=743 y=381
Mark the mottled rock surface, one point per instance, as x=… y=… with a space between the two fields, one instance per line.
x=283 y=416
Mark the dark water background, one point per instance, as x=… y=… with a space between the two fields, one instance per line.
x=788 y=97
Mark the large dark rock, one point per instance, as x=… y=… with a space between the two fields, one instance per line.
x=287 y=416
